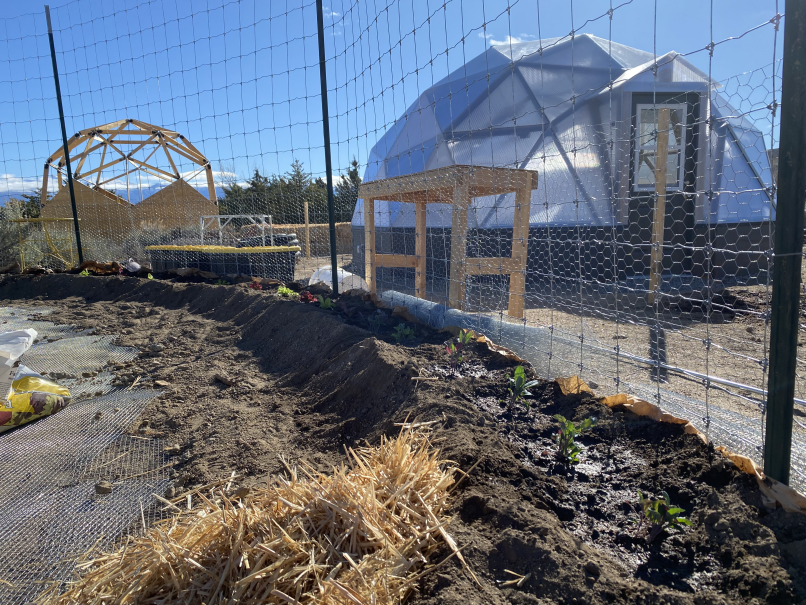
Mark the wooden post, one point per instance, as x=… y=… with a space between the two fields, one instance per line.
x=307 y=231
x=369 y=243
x=461 y=202
x=43 y=195
x=211 y=184
x=520 y=243
x=420 y=234
x=59 y=174
x=659 y=216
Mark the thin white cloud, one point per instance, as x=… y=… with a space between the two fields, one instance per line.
x=14 y=183
x=507 y=40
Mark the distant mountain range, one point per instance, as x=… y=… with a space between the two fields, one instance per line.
x=134 y=193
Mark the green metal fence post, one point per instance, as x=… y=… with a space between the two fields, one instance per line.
x=791 y=185
x=64 y=137
x=331 y=206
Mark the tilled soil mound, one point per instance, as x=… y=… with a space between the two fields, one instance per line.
x=249 y=377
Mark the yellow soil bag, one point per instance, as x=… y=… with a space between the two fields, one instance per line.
x=32 y=397
x=24 y=394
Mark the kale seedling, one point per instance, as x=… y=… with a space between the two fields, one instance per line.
x=567 y=447
x=306 y=297
x=325 y=303
x=150 y=276
x=256 y=285
x=660 y=514
x=85 y=273
x=402 y=332
x=519 y=388
x=286 y=292
x=222 y=282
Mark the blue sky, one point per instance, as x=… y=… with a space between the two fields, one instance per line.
x=240 y=79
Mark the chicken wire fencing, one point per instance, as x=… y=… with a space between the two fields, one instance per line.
x=52 y=513
x=593 y=184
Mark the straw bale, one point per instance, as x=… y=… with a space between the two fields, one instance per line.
x=360 y=535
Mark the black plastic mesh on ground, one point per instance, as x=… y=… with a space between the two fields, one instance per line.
x=52 y=513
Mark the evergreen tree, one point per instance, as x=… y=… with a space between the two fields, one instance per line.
x=346 y=193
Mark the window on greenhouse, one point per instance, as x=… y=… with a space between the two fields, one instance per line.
x=646 y=143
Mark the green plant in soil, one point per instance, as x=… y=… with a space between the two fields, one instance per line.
x=286 y=292
x=402 y=332
x=660 y=515
x=325 y=303
x=519 y=387
x=150 y=276
x=375 y=321
x=85 y=273
x=222 y=282
x=567 y=447
x=454 y=348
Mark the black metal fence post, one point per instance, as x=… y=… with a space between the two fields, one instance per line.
x=788 y=247
x=331 y=209
x=64 y=137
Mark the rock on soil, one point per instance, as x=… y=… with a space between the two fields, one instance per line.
x=319 y=380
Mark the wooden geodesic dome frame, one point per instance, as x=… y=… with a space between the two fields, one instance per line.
x=110 y=163
x=130 y=135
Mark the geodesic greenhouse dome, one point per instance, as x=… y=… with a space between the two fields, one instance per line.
x=547 y=106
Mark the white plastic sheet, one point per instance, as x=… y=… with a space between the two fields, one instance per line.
x=347 y=281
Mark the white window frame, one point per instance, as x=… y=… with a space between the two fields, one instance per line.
x=680 y=147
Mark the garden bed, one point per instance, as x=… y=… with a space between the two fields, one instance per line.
x=249 y=376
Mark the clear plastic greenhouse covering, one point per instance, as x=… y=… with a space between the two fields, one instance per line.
x=547 y=105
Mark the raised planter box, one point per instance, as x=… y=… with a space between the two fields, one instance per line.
x=274 y=262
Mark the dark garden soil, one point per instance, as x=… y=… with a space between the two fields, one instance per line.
x=305 y=381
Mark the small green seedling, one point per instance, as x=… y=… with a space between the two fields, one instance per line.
x=402 y=332
x=660 y=514
x=286 y=292
x=85 y=273
x=375 y=321
x=325 y=303
x=150 y=276
x=519 y=387
x=454 y=349
x=222 y=282
x=567 y=447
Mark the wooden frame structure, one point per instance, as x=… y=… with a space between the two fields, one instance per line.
x=117 y=142
x=456 y=185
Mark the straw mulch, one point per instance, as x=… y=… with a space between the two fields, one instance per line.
x=359 y=536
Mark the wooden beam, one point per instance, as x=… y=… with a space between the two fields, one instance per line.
x=211 y=184
x=71 y=144
x=148 y=169
x=150 y=127
x=103 y=167
x=111 y=126
x=83 y=157
x=190 y=146
x=419 y=248
x=115 y=178
x=436 y=186
x=170 y=159
x=43 y=195
x=395 y=260
x=490 y=266
x=659 y=216
x=307 y=230
x=152 y=140
x=369 y=243
x=145 y=166
x=186 y=153
x=103 y=156
x=520 y=243
x=461 y=202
